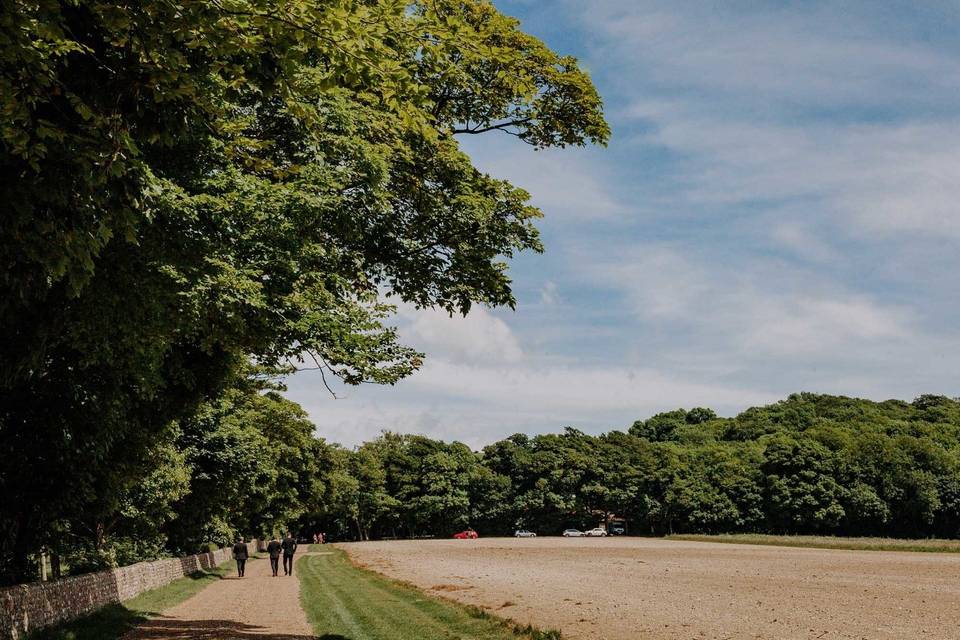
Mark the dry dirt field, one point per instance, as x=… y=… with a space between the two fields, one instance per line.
x=622 y=588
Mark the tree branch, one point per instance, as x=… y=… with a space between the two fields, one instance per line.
x=501 y=126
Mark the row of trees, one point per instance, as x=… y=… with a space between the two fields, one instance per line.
x=189 y=187
x=809 y=464
x=245 y=463
x=249 y=463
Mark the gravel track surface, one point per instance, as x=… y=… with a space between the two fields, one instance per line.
x=657 y=590
x=258 y=606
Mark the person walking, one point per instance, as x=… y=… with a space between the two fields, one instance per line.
x=289 y=548
x=273 y=548
x=240 y=555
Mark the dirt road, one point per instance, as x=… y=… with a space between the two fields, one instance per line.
x=258 y=607
x=657 y=590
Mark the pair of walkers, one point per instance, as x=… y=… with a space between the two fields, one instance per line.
x=274 y=548
x=288 y=547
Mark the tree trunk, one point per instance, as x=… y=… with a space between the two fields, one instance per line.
x=20 y=568
x=100 y=536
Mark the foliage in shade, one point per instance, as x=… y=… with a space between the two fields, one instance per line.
x=201 y=185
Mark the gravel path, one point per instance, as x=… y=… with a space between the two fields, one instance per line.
x=258 y=606
x=649 y=589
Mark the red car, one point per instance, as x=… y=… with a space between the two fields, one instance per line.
x=466 y=534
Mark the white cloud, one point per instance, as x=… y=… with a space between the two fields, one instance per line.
x=657 y=281
x=571 y=393
x=776 y=103
x=803 y=241
x=883 y=179
x=480 y=404
x=567 y=184
x=478 y=337
x=784 y=218
x=801 y=326
x=550 y=294
x=825 y=55
x=755 y=307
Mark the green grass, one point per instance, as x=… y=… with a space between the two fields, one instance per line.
x=115 y=620
x=830 y=542
x=344 y=602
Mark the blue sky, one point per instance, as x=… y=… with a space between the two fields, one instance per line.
x=777 y=212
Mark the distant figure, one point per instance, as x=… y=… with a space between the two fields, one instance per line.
x=289 y=547
x=240 y=555
x=273 y=548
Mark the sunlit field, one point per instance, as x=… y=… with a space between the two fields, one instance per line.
x=657 y=589
x=931 y=545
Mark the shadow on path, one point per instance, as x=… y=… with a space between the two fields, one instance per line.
x=171 y=629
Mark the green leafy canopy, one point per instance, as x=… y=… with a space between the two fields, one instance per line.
x=201 y=184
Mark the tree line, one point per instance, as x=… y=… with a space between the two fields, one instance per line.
x=811 y=464
x=250 y=463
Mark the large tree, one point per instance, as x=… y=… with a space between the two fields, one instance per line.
x=200 y=183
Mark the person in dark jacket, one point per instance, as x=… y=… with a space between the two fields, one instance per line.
x=289 y=547
x=240 y=555
x=274 y=548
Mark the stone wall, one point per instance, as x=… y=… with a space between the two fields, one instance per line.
x=27 y=607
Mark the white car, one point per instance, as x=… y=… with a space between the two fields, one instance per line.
x=572 y=533
x=596 y=533
x=523 y=533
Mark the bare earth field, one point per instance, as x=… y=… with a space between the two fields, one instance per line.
x=659 y=589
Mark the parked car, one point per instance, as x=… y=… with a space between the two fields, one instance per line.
x=523 y=533
x=617 y=529
x=466 y=534
x=572 y=533
x=596 y=532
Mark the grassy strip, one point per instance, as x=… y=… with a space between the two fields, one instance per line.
x=829 y=542
x=114 y=620
x=344 y=602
